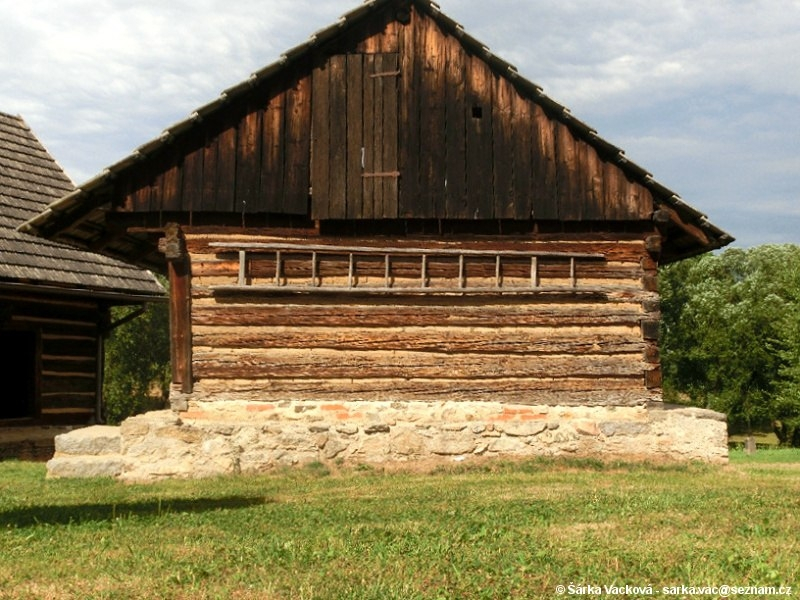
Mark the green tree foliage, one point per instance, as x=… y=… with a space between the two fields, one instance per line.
x=137 y=369
x=731 y=336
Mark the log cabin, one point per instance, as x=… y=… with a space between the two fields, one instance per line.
x=55 y=300
x=392 y=218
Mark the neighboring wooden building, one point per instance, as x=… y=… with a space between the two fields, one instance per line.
x=392 y=213
x=54 y=299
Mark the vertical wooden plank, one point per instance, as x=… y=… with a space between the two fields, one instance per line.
x=523 y=149
x=479 y=139
x=632 y=200
x=455 y=132
x=378 y=133
x=409 y=118
x=369 y=158
x=389 y=38
x=432 y=125
x=595 y=192
x=390 y=128
x=320 y=143
x=171 y=195
x=355 y=137
x=297 y=121
x=616 y=189
x=273 y=137
x=156 y=190
x=583 y=179
x=338 y=140
x=613 y=191
x=140 y=193
x=545 y=199
x=570 y=202
x=125 y=191
x=192 y=190
x=209 y=175
x=372 y=39
x=226 y=170
x=625 y=200
x=248 y=161
x=645 y=204
x=503 y=156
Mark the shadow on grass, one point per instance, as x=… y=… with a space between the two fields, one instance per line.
x=86 y=513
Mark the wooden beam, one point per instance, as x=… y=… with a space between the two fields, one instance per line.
x=676 y=220
x=180 y=308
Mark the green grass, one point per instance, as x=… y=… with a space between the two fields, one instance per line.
x=498 y=530
x=766 y=456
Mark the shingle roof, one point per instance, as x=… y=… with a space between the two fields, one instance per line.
x=30 y=179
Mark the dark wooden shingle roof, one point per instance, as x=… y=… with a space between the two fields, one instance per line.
x=30 y=179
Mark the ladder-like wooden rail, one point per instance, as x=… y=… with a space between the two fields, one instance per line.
x=315 y=253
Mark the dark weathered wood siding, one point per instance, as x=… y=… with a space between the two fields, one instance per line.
x=290 y=333
x=390 y=121
x=65 y=367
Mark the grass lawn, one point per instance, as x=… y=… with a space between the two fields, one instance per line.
x=498 y=530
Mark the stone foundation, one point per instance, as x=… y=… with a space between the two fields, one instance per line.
x=213 y=438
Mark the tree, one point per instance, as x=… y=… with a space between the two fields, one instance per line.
x=731 y=338
x=787 y=400
x=137 y=368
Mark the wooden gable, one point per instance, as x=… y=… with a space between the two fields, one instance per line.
x=392 y=119
x=396 y=118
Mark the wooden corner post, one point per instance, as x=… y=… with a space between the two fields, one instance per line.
x=173 y=245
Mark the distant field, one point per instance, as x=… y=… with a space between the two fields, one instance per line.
x=761 y=438
x=496 y=530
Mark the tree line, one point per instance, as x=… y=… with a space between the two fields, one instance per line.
x=730 y=341
x=730 y=337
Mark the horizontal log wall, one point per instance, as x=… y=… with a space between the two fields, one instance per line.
x=563 y=348
x=67 y=365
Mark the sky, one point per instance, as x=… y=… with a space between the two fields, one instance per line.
x=703 y=94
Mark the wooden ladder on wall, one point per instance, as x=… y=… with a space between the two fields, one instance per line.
x=425 y=258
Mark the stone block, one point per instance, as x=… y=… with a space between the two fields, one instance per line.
x=587 y=428
x=450 y=444
x=96 y=440
x=408 y=443
x=377 y=428
x=522 y=428
x=632 y=428
x=347 y=428
x=334 y=447
x=106 y=465
x=508 y=445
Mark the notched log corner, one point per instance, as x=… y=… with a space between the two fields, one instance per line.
x=173 y=244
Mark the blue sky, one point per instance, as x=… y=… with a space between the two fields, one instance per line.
x=704 y=95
